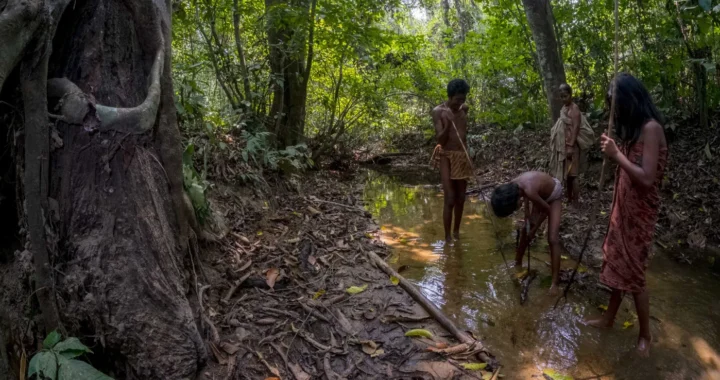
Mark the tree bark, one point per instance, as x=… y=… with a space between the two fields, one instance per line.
x=289 y=71
x=540 y=19
x=112 y=247
x=701 y=55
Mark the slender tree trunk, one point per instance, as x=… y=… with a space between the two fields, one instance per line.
x=240 y=50
x=701 y=79
x=106 y=217
x=540 y=19
x=289 y=70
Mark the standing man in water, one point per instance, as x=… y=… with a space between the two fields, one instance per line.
x=450 y=155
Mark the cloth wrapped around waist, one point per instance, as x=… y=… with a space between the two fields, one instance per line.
x=460 y=167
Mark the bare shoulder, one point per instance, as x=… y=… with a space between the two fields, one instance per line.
x=575 y=109
x=653 y=129
x=438 y=110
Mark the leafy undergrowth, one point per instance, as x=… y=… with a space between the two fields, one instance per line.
x=290 y=292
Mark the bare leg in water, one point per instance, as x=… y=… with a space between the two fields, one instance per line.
x=449 y=196
x=554 y=242
x=642 y=306
x=607 y=320
x=460 y=186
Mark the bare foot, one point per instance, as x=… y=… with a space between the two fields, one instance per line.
x=601 y=323
x=554 y=290
x=456 y=235
x=448 y=239
x=643 y=347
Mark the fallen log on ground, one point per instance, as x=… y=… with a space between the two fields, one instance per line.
x=434 y=312
x=385 y=158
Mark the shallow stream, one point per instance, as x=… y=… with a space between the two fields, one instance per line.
x=469 y=281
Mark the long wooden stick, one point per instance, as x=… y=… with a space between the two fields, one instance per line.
x=438 y=315
x=611 y=125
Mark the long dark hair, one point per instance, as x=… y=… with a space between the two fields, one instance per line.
x=633 y=108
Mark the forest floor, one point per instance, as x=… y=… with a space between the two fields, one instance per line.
x=276 y=290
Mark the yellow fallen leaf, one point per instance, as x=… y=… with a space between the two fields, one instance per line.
x=377 y=352
x=521 y=274
x=318 y=294
x=582 y=269
x=627 y=325
x=603 y=307
x=356 y=289
x=603 y=213
x=564 y=257
x=394 y=280
x=415 y=333
x=474 y=366
x=555 y=375
x=259 y=233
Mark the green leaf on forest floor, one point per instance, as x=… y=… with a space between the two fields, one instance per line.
x=552 y=374
x=417 y=333
x=603 y=307
x=259 y=233
x=318 y=294
x=582 y=269
x=564 y=257
x=43 y=363
x=71 y=348
x=51 y=340
x=627 y=325
x=77 y=370
x=356 y=289
x=474 y=366
x=394 y=280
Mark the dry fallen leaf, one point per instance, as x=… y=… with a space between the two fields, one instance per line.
x=298 y=372
x=313 y=211
x=270 y=276
x=230 y=348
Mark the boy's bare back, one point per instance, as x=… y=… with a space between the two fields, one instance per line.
x=539 y=183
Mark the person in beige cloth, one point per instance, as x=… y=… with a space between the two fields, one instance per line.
x=450 y=155
x=570 y=137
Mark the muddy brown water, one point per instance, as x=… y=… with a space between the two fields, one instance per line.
x=470 y=283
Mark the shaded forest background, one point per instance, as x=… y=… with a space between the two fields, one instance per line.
x=340 y=74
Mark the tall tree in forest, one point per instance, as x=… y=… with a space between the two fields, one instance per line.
x=290 y=31
x=540 y=19
x=106 y=216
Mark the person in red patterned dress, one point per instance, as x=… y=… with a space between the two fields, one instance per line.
x=641 y=158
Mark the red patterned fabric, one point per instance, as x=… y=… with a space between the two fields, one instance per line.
x=632 y=226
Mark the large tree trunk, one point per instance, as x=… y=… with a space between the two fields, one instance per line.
x=106 y=218
x=290 y=63
x=540 y=19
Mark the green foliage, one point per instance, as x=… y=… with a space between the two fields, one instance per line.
x=195 y=185
x=260 y=154
x=379 y=68
x=56 y=361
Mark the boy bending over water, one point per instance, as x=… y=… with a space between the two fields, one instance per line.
x=545 y=194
